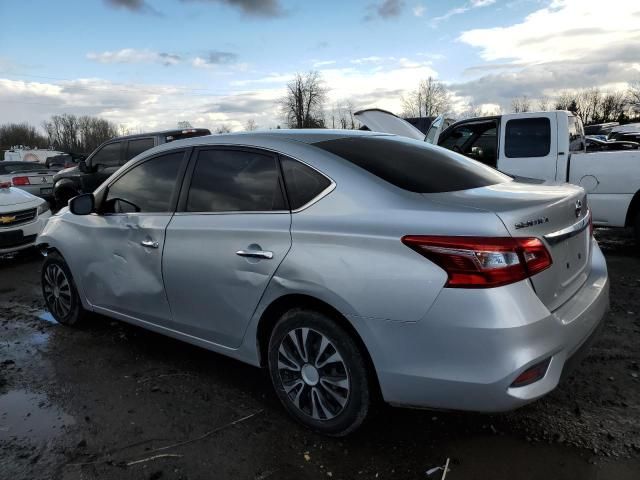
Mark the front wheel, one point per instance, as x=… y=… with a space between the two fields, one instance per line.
x=59 y=291
x=319 y=372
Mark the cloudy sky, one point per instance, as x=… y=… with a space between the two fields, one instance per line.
x=150 y=63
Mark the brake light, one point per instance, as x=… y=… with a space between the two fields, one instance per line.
x=20 y=181
x=482 y=262
x=5 y=184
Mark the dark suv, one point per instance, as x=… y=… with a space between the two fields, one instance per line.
x=107 y=158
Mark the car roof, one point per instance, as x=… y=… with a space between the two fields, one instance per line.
x=308 y=136
x=160 y=133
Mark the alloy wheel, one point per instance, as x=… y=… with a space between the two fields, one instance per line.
x=57 y=290
x=313 y=373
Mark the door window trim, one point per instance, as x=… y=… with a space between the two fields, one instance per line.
x=100 y=195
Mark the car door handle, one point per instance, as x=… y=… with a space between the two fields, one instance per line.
x=255 y=254
x=149 y=243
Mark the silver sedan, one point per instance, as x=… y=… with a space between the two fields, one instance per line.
x=353 y=265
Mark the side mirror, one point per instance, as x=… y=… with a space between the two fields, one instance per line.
x=82 y=204
x=82 y=166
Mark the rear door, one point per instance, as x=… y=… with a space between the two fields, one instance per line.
x=226 y=241
x=529 y=145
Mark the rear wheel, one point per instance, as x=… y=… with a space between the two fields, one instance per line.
x=59 y=291
x=319 y=372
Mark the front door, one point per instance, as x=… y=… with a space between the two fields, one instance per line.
x=123 y=272
x=224 y=244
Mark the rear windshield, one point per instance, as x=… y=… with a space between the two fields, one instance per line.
x=413 y=166
x=20 y=167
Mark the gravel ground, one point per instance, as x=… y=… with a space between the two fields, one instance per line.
x=114 y=401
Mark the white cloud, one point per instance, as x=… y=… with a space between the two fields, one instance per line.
x=462 y=9
x=418 y=10
x=323 y=63
x=131 y=55
x=565 y=30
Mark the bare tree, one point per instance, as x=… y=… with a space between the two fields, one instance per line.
x=431 y=98
x=78 y=134
x=184 y=124
x=633 y=96
x=251 y=125
x=13 y=134
x=612 y=107
x=521 y=104
x=303 y=105
x=224 y=128
x=543 y=103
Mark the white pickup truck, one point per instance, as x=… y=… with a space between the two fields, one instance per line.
x=537 y=145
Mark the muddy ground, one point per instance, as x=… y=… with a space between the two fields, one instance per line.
x=117 y=402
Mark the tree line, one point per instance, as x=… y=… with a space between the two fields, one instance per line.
x=66 y=132
x=304 y=105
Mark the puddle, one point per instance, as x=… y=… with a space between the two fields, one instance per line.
x=46 y=316
x=38 y=339
x=27 y=414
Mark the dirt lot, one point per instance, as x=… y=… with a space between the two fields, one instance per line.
x=116 y=402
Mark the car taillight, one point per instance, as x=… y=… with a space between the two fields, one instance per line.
x=20 y=181
x=482 y=262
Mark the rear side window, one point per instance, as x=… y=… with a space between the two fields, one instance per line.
x=235 y=181
x=138 y=146
x=303 y=182
x=146 y=188
x=413 y=166
x=527 y=137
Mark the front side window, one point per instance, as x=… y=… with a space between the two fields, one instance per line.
x=457 y=138
x=303 y=182
x=107 y=156
x=235 y=181
x=413 y=166
x=146 y=188
x=137 y=146
x=527 y=137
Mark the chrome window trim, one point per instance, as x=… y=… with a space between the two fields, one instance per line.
x=570 y=231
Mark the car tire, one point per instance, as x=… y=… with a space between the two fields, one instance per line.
x=60 y=292
x=319 y=372
x=636 y=228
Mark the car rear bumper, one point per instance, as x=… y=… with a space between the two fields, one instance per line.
x=30 y=232
x=472 y=345
x=43 y=191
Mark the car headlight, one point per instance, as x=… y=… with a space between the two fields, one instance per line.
x=43 y=208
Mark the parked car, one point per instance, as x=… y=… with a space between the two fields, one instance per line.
x=600 y=128
x=351 y=264
x=539 y=145
x=22 y=218
x=65 y=160
x=32 y=177
x=108 y=157
x=598 y=145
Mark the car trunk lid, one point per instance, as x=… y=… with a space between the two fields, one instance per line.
x=556 y=214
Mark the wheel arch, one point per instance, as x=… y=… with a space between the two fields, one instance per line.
x=283 y=304
x=633 y=210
